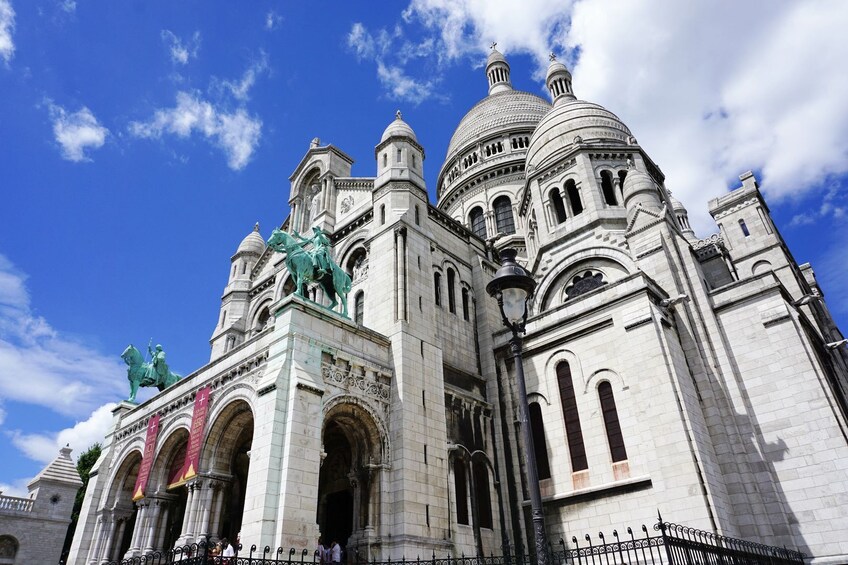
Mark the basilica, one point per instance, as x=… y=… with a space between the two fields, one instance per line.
x=699 y=376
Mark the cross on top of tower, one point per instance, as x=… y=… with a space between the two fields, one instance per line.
x=552 y=57
x=493 y=45
x=398 y=115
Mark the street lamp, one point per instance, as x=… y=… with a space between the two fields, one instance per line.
x=513 y=287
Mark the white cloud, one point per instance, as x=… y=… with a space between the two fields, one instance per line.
x=40 y=365
x=403 y=87
x=391 y=51
x=76 y=132
x=272 y=20
x=240 y=89
x=16 y=488
x=44 y=447
x=236 y=133
x=7 y=28
x=69 y=6
x=181 y=52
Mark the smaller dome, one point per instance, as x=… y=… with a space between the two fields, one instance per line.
x=638 y=181
x=398 y=128
x=253 y=243
x=676 y=204
x=556 y=67
x=495 y=56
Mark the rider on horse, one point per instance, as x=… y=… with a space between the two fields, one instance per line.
x=320 y=250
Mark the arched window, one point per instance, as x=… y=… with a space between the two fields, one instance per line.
x=461 y=487
x=559 y=205
x=359 y=307
x=607 y=188
x=503 y=215
x=481 y=493
x=451 y=295
x=382 y=214
x=437 y=285
x=621 y=176
x=8 y=549
x=573 y=197
x=744 y=228
x=614 y=436
x=478 y=222
x=417 y=215
x=262 y=318
x=465 y=304
x=385 y=159
x=573 y=431
x=540 y=447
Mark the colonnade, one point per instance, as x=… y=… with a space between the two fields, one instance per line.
x=202 y=517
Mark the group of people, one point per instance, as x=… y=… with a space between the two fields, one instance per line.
x=223 y=552
x=330 y=554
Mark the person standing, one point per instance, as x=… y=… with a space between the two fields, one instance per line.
x=336 y=552
x=228 y=551
x=321 y=551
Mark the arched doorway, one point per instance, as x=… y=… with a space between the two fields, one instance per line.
x=226 y=457
x=166 y=472
x=117 y=535
x=349 y=479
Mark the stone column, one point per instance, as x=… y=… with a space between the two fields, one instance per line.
x=216 y=514
x=110 y=525
x=140 y=519
x=184 y=531
x=400 y=245
x=163 y=526
x=206 y=509
x=116 y=547
x=193 y=510
x=152 y=527
x=97 y=538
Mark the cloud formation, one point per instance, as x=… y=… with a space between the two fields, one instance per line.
x=709 y=90
x=236 y=133
x=7 y=29
x=40 y=365
x=240 y=89
x=76 y=132
x=272 y=20
x=44 y=447
x=181 y=51
x=391 y=51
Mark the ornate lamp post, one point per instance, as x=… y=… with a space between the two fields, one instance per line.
x=513 y=287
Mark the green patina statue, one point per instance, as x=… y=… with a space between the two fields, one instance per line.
x=315 y=266
x=155 y=373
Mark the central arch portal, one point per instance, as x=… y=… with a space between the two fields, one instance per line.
x=349 y=479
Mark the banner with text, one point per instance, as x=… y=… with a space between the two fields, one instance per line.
x=195 y=439
x=147 y=458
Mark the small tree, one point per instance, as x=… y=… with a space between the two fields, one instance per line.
x=84 y=464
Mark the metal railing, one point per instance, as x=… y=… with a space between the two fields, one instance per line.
x=665 y=543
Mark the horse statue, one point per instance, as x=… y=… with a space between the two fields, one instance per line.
x=316 y=267
x=144 y=374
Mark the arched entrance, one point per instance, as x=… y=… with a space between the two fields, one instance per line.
x=169 y=465
x=226 y=461
x=118 y=526
x=349 y=479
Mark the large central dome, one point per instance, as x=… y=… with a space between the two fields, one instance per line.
x=497 y=113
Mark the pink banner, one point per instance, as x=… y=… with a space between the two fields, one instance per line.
x=147 y=458
x=195 y=439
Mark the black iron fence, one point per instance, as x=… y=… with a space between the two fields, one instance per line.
x=666 y=543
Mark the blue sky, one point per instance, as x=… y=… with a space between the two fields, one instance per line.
x=144 y=139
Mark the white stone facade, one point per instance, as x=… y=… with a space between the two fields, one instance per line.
x=665 y=372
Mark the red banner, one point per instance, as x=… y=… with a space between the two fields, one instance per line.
x=147 y=458
x=195 y=439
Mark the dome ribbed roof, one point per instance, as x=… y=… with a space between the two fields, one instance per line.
x=253 y=243
x=497 y=112
x=398 y=128
x=570 y=119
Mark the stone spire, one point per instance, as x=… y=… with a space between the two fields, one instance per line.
x=497 y=71
x=558 y=81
